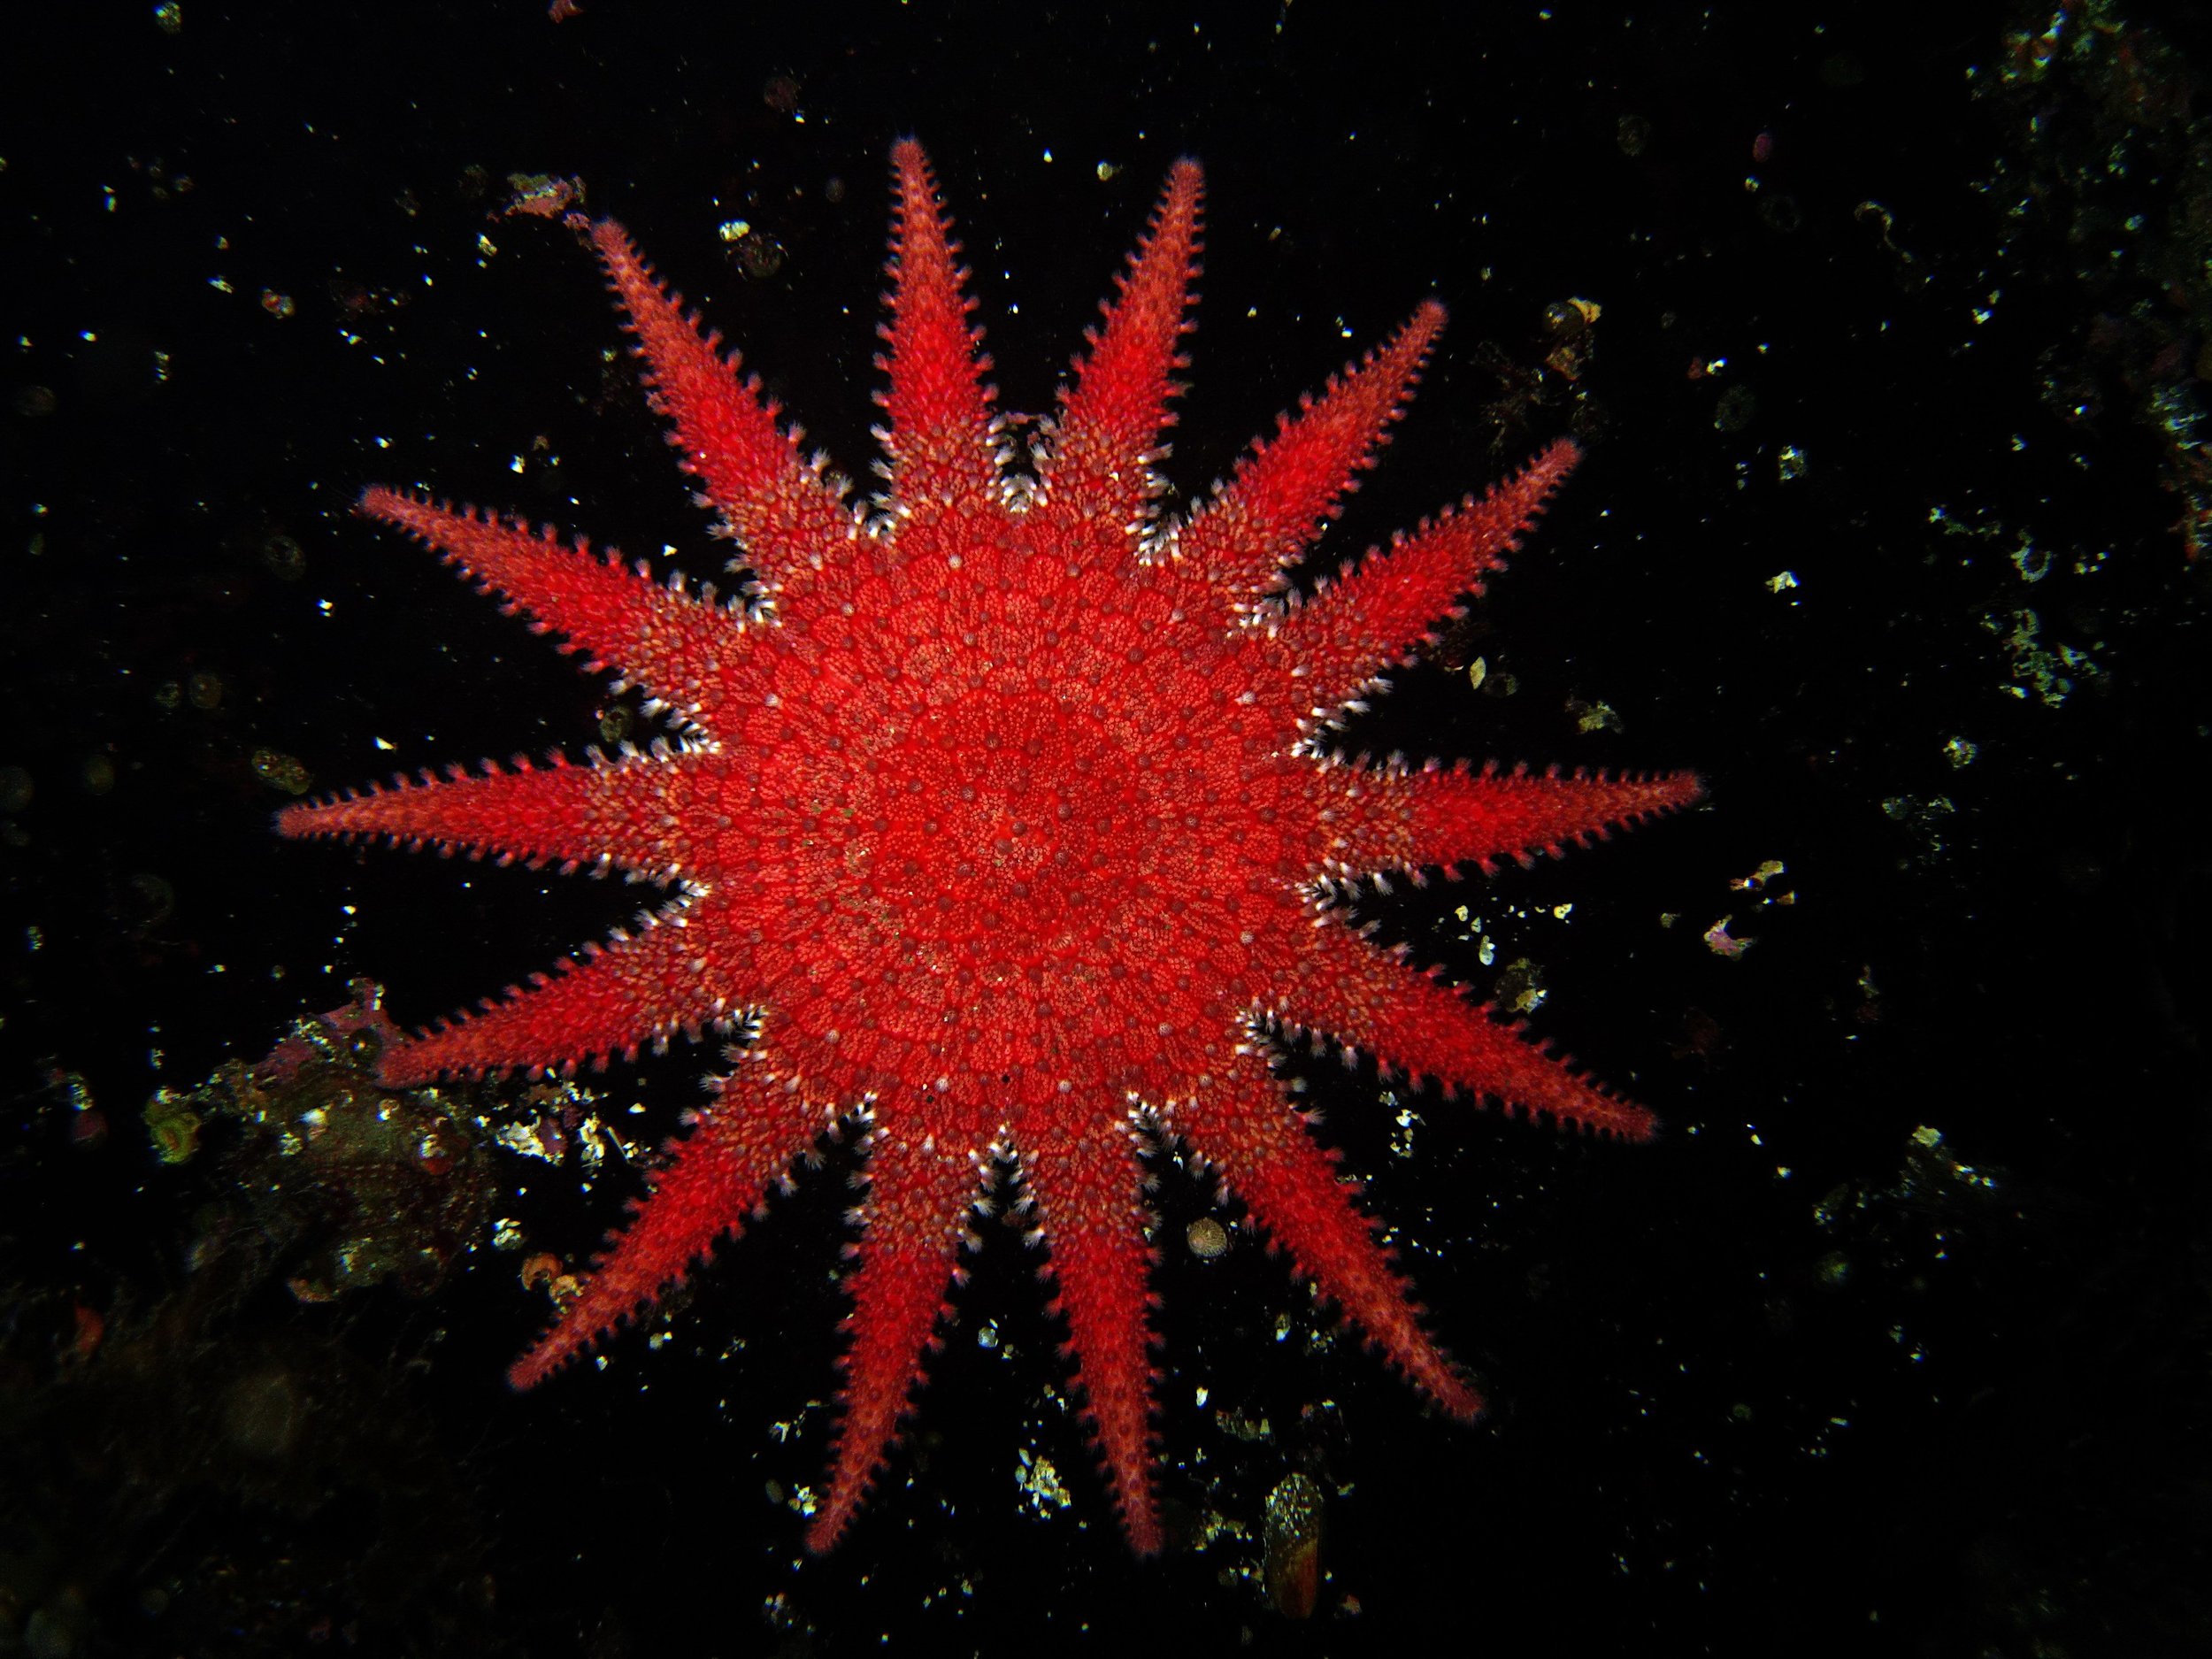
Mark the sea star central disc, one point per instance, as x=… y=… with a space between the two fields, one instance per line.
x=1000 y=811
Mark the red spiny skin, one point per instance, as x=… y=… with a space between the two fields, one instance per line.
x=1002 y=817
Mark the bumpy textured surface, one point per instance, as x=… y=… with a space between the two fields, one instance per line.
x=1002 y=812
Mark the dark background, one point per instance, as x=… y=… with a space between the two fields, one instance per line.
x=1897 y=1340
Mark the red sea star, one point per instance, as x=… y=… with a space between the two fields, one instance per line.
x=1000 y=812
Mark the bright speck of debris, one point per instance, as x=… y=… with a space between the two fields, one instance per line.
x=1040 y=1483
x=1594 y=717
x=1782 y=583
x=1520 y=986
x=2049 y=671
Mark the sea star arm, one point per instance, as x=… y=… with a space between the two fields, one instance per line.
x=914 y=1218
x=642 y=987
x=1099 y=470
x=1386 y=606
x=1287 y=489
x=630 y=813
x=1397 y=819
x=786 y=513
x=678 y=646
x=1292 y=1188
x=1367 y=999
x=941 y=442
x=744 y=1142
x=1086 y=1187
